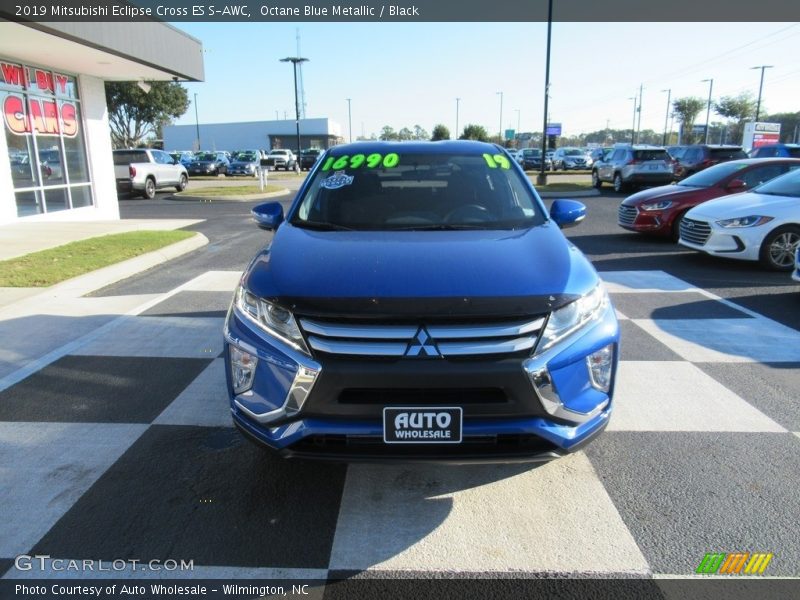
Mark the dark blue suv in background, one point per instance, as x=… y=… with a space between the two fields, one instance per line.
x=419 y=301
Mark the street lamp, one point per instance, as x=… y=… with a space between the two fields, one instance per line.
x=456 y=132
x=501 y=116
x=760 y=87
x=666 y=116
x=708 y=108
x=349 y=120
x=541 y=178
x=196 y=122
x=518 y=113
x=295 y=60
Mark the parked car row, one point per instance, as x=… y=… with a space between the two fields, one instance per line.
x=747 y=209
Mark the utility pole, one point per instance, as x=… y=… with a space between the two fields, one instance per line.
x=295 y=60
x=633 y=127
x=708 y=108
x=666 y=116
x=541 y=178
x=197 y=122
x=501 y=117
x=458 y=100
x=349 y=120
x=760 y=88
x=639 y=125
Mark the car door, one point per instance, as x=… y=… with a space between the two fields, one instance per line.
x=164 y=169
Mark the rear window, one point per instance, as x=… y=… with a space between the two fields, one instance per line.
x=651 y=155
x=531 y=152
x=126 y=157
x=726 y=153
x=794 y=152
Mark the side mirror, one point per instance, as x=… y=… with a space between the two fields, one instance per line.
x=736 y=184
x=567 y=213
x=268 y=215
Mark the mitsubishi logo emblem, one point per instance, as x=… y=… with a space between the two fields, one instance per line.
x=422 y=345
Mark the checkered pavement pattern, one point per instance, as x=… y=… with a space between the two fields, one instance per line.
x=122 y=447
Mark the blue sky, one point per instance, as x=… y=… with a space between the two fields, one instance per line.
x=407 y=74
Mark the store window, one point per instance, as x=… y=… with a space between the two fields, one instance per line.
x=46 y=146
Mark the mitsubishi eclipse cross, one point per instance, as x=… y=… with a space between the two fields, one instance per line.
x=419 y=302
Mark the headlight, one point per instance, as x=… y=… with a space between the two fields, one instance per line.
x=660 y=205
x=271 y=318
x=570 y=318
x=751 y=221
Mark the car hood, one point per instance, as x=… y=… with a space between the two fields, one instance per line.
x=663 y=192
x=442 y=273
x=743 y=205
x=203 y=163
x=244 y=163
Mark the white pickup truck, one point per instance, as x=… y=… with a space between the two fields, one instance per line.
x=143 y=171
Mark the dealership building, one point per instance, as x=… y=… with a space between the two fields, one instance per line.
x=55 y=149
x=257 y=135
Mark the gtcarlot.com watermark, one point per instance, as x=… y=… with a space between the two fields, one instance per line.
x=45 y=564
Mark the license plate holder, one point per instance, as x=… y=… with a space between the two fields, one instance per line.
x=422 y=424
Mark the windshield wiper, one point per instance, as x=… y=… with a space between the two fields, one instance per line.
x=320 y=226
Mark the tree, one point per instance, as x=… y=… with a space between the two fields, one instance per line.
x=420 y=133
x=686 y=111
x=738 y=109
x=134 y=114
x=475 y=132
x=440 y=132
x=388 y=134
x=790 y=125
x=405 y=134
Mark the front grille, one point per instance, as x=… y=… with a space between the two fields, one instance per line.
x=425 y=396
x=477 y=446
x=626 y=214
x=695 y=232
x=422 y=341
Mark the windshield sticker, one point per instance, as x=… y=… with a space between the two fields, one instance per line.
x=371 y=161
x=497 y=160
x=336 y=181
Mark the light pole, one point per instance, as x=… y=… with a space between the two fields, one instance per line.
x=518 y=113
x=197 y=122
x=760 y=88
x=295 y=60
x=633 y=127
x=639 y=124
x=708 y=107
x=501 y=116
x=541 y=178
x=666 y=116
x=458 y=100
x=349 y=120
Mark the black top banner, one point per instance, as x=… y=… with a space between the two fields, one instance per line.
x=411 y=11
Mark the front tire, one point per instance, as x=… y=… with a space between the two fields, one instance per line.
x=676 y=227
x=596 y=182
x=619 y=185
x=149 y=191
x=182 y=183
x=779 y=247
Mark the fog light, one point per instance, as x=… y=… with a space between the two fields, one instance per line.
x=243 y=367
x=600 y=364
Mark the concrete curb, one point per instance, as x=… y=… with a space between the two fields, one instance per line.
x=90 y=282
x=586 y=194
x=233 y=198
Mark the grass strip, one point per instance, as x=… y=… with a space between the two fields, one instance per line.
x=233 y=190
x=47 y=267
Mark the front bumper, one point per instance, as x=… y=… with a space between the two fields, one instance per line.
x=540 y=408
x=741 y=243
x=657 y=222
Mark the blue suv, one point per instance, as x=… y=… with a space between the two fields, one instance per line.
x=772 y=150
x=419 y=301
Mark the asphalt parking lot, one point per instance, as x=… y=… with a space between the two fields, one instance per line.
x=121 y=446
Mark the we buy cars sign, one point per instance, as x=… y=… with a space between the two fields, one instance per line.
x=761 y=134
x=44 y=115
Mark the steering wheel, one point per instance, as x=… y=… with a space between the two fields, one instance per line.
x=469 y=213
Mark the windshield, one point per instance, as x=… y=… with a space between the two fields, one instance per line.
x=533 y=153
x=246 y=156
x=712 y=175
x=206 y=156
x=785 y=185
x=575 y=152
x=396 y=191
x=279 y=152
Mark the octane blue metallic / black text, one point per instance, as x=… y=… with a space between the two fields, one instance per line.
x=419 y=301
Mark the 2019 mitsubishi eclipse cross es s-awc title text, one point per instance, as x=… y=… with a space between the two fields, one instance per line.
x=418 y=301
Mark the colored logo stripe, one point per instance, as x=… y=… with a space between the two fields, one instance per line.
x=758 y=563
x=735 y=563
x=710 y=563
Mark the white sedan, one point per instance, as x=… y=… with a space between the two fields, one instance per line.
x=762 y=225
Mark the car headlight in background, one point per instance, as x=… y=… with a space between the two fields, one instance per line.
x=751 y=221
x=572 y=317
x=271 y=318
x=659 y=205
